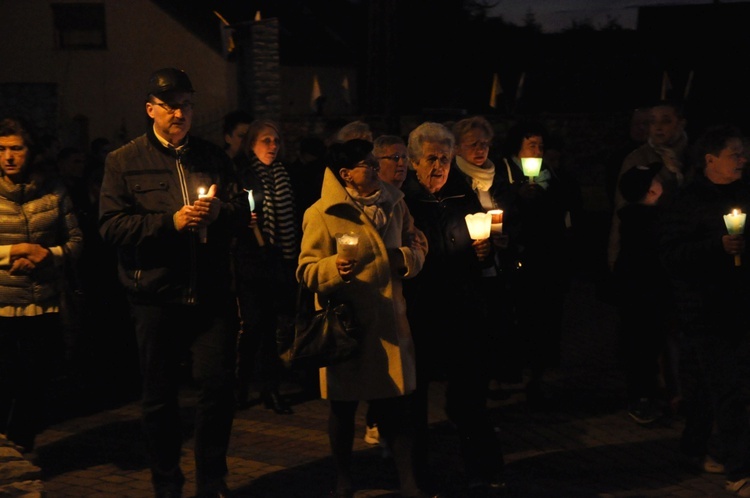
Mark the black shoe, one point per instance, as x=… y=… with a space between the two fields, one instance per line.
x=644 y=411
x=272 y=400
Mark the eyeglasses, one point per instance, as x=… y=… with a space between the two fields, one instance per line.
x=479 y=144
x=395 y=157
x=367 y=164
x=172 y=108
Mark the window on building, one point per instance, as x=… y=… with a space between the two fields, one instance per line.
x=79 y=26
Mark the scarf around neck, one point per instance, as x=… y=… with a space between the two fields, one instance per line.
x=672 y=155
x=372 y=205
x=481 y=178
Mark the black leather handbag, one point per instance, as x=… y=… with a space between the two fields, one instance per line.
x=317 y=338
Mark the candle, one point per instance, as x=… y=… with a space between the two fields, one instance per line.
x=531 y=167
x=479 y=225
x=256 y=229
x=735 y=222
x=497 y=220
x=202 y=231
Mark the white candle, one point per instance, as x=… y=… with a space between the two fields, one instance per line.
x=479 y=225
x=735 y=222
x=202 y=231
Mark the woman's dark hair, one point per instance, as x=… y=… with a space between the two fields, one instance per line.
x=346 y=155
x=519 y=132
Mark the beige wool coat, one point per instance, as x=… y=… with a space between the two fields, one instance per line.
x=385 y=366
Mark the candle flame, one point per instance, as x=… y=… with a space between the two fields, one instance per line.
x=201 y=191
x=735 y=212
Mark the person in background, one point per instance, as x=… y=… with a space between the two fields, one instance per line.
x=539 y=211
x=39 y=237
x=642 y=291
x=667 y=143
x=383 y=373
x=352 y=130
x=474 y=137
x=448 y=310
x=164 y=207
x=235 y=128
x=710 y=276
x=265 y=261
x=390 y=151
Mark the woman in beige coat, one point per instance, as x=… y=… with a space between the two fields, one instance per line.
x=353 y=199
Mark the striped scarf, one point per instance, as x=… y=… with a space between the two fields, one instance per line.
x=278 y=208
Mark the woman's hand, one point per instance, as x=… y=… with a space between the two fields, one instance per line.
x=345 y=267
x=481 y=248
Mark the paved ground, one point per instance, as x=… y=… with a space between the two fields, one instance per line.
x=583 y=448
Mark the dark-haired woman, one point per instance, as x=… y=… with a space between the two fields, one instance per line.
x=354 y=199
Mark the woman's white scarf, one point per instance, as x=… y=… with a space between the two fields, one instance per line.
x=671 y=156
x=372 y=205
x=481 y=178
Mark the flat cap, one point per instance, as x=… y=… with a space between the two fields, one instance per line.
x=169 y=79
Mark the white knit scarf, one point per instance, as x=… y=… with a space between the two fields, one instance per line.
x=481 y=178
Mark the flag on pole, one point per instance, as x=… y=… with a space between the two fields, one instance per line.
x=227 y=40
x=688 y=85
x=496 y=90
x=666 y=85
x=519 y=90
x=316 y=94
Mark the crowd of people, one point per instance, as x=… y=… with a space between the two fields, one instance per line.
x=208 y=241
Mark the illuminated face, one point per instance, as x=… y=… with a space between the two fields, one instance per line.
x=393 y=165
x=266 y=146
x=474 y=147
x=13 y=154
x=728 y=165
x=532 y=147
x=665 y=126
x=433 y=167
x=172 y=120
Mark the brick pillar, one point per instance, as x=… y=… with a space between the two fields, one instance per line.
x=259 y=68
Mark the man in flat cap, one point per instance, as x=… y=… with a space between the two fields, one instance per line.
x=163 y=206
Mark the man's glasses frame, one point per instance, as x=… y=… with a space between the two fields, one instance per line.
x=172 y=108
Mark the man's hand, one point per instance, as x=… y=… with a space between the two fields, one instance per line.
x=207 y=208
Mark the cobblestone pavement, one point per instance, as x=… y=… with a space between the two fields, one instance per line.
x=584 y=446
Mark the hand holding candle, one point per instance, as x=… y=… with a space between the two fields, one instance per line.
x=735 y=222
x=256 y=229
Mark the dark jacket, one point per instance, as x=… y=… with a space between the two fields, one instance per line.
x=144 y=185
x=712 y=294
x=445 y=304
x=40 y=212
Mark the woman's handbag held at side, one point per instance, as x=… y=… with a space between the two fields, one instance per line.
x=317 y=338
